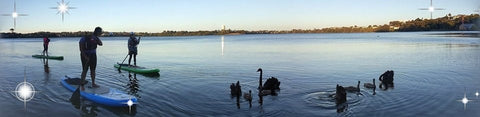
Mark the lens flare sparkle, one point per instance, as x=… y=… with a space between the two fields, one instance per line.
x=14 y=14
x=464 y=100
x=24 y=90
x=63 y=8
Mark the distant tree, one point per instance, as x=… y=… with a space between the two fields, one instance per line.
x=396 y=23
x=384 y=28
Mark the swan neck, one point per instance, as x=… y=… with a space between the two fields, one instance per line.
x=260 y=81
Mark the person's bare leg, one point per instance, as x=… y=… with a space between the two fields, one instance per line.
x=92 y=74
x=84 y=74
x=84 y=71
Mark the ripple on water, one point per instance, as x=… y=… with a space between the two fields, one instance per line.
x=326 y=101
x=412 y=94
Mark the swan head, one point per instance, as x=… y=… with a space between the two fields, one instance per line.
x=259 y=70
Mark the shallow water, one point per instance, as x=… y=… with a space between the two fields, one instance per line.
x=432 y=74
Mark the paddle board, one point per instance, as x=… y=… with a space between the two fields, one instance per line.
x=48 y=57
x=136 y=69
x=102 y=95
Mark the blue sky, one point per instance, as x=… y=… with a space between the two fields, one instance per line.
x=192 y=15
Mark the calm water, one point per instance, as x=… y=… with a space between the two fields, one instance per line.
x=432 y=74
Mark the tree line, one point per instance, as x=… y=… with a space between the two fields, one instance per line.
x=446 y=23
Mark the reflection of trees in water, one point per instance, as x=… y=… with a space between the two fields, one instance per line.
x=132 y=85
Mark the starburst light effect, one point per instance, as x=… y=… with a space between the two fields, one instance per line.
x=63 y=8
x=464 y=100
x=25 y=91
x=431 y=9
x=14 y=14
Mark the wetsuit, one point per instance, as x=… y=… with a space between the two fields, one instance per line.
x=132 y=49
x=46 y=40
x=90 y=50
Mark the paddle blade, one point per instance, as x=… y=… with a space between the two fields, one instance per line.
x=75 y=96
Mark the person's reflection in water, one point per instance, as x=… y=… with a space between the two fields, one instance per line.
x=45 y=65
x=79 y=103
x=47 y=70
x=132 y=85
x=89 y=112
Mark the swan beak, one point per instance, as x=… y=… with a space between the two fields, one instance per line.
x=259 y=70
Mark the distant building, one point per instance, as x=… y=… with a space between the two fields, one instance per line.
x=223 y=27
x=466 y=27
x=394 y=27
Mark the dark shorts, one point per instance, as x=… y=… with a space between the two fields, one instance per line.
x=132 y=52
x=92 y=62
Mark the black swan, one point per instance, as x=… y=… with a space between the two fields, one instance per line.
x=248 y=96
x=353 y=88
x=340 y=95
x=386 y=78
x=270 y=85
x=235 y=90
x=260 y=81
x=370 y=85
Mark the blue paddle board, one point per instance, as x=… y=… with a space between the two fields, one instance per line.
x=102 y=94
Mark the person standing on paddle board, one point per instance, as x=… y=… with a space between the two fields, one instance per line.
x=88 y=54
x=132 y=48
x=46 y=40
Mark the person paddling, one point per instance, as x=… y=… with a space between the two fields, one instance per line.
x=46 y=40
x=132 y=48
x=88 y=54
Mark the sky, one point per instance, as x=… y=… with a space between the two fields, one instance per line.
x=194 y=15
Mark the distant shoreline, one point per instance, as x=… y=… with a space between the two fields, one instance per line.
x=448 y=23
x=437 y=33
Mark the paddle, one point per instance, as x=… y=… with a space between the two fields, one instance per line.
x=75 y=98
x=119 y=66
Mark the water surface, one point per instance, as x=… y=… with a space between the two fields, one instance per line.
x=432 y=73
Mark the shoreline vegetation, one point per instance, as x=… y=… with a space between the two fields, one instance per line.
x=447 y=23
